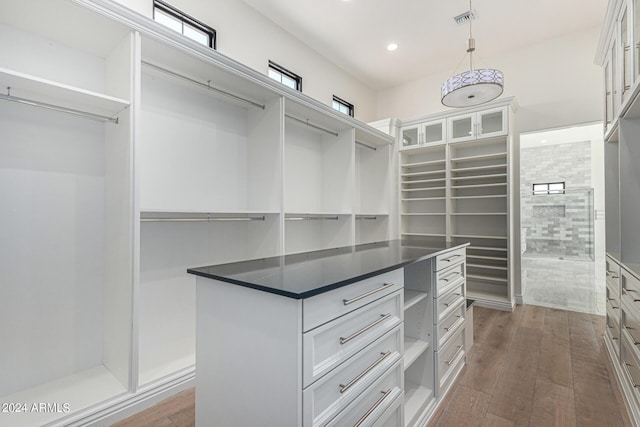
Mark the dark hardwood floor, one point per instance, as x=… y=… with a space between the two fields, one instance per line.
x=534 y=367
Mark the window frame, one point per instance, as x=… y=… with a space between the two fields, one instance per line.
x=285 y=72
x=186 y=19
x=548 y=190
x=342 y=102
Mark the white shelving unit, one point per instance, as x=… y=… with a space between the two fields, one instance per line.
x=150 y=154
x=461 y=190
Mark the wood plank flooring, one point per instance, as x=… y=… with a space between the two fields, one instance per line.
x=534 y=367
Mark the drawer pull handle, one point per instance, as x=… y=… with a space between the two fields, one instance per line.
x=451 y=325
x=631 y=290
x=356 y=299
x=455 y=300
x=446 y=279
x=344 y=388
x=615 y=308
x=452 y=258
x=612 y=274
x=382 y=318
x=460 y=347
x=633 y=381
x=373 y=408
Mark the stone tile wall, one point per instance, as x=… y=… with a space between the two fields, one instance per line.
x=557 y=224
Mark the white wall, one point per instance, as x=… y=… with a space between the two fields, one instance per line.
x=250 y=38
x=556 y=83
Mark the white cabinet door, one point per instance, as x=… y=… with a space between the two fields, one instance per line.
x=411 y=137
x=624 y=37
x=491 y=123
x=435 y=132
x=462 y=127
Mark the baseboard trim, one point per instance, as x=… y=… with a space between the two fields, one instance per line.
x=625 y=388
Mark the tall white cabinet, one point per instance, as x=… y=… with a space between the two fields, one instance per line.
x=456 y=185
x=619 y=54
x=166 y=155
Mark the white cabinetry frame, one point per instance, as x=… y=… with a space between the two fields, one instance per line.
x=462 y=190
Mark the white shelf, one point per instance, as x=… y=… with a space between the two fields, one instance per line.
x=477 y=213
x=494 y=258
x=465 y=178
x=481 y=157
x=411 y=298
x=480 y=168
x=423 y=214
x=424 y=188
x=372 y=214
x=62 y=95
x=413 y=349
x=487 y=277
x=436 y=172
x=486 y=295
x=416 y=398
x=205 y=212
x=501 y=184
x=419 y=199
x=492 y=196
x=487 y=266
x=485 y=248
x=479 y=236
x=424 y=234
x=424 y=181
x=80 y=391
x=288 y=214
x=421 y=164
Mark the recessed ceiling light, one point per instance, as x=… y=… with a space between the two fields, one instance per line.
x=392 y=47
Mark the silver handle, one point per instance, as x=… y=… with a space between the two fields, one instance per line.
x=446 y=279
x=382 y=318
x=344 y=388
x=373 y=408
x=633 y=381
x=352 y=300
x=625 y=86
x=451 y=325
x=460 y=347
x=451 y=258
x=447 y=304
x=630 y=329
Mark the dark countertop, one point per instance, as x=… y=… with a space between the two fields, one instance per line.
x=307 y=274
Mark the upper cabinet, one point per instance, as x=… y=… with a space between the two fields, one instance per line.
x=424 y=134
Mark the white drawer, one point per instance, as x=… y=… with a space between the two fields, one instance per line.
x=450 y=258
x=450 y=324
x=325 y=307
x=449 y=356
x=449 y=278
x=452 y=374
x=630 y=288
x=373 y=403
x=329 y=345
x=612 y=271
x=612 y=293
x=631 y=365
x=329 y=395
x=446 y=303
x=393 y=416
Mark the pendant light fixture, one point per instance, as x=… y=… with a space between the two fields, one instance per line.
x=473 y=87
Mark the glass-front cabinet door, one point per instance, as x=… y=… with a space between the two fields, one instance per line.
x=624 y=34
x=608 y=97
x=462 y=128
x=492 y=122
x=410 y=137
x=636 y=38
x=435 y=132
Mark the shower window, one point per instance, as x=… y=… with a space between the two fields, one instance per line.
x=548 y=188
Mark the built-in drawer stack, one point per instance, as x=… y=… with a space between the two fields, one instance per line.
x=630 y=331
x=352 y=354
x=614 y=310
x=449 y=317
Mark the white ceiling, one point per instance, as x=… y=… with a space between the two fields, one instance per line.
x=354 y=33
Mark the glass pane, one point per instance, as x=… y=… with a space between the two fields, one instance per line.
x=556 y=188
x=540 y=188
x=626 y=52
x=197 y=35
x=275 y=75
x=433 y=133
x=409 y=137
x=614 y=82
x=636 y=36
x=168 y=20
x=335 y=106
x=288 y=81
x=491 y=122
x=461 y=128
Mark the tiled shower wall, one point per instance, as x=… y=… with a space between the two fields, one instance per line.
x=559 y=224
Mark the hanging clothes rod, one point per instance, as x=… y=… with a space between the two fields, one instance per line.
x=202 y=219
x=366 y=145
x=308 y=123
x=371 y=217
x=91 y=116
x=310 y=218
x=204 y=85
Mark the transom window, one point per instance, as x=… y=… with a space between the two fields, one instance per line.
x=342 y=106
x=284 y=76
x=179 y=21
x=549 y=188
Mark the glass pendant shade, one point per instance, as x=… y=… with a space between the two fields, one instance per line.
x=472 y=87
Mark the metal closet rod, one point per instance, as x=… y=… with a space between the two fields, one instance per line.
x=97 y=117
x=207 y=219
x=310 y=218
x=206 y=86
x=366 y=217
x=308 y=123
x=366 y=145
